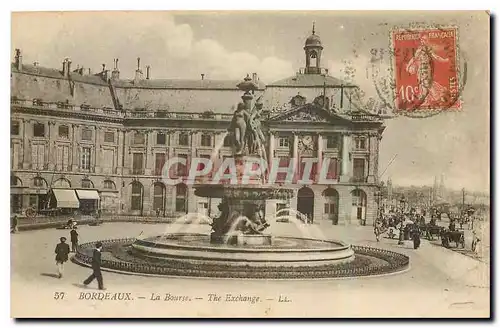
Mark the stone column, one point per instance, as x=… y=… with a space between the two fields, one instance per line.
x=26 y=145
x=74 y=144
x=120 y=138
x=372 y=143
x=293 y=200
x=149 y=159
x=51 y=147
x=320 y=156
x=192 y=200
x=346 y=163
x=295 y=158
x=98 y=151
x=319 y=205
x=270 y=156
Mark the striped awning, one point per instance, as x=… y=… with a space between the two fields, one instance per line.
x=66 y=198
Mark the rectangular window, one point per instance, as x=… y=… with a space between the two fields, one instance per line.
x=284 y=162
x=137 y=163
x=39 y=130
x=86 y=134
x=139 y=138
x=201 y=166
x=108 y=156
x=183 y=139
x=16 y=156
x=180 y=205
x=332 y=142
x=161 y=138
x=14 y=128
x=284 y=142
x=332 y=169
x=85 y=156
x=311 y=175
x=206 y=140
x=181 y=168
x=359 y=169
x=360 y=143
x=38 y=156
x=159 y=162
x=63 y=131
x=109 y=136
x=329 y=208
x=63 y=158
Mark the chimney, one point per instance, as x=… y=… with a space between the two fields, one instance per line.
x=202 y=76
x=35 y=64
x=138 y=72
x=147 y=72
x=115 y=74
x=254 y=77
x=66 y=67
x=326 y=71
x=90 y=72
x=18 y=60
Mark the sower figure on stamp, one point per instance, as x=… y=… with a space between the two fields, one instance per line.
x=96 y=267
x=62 y=251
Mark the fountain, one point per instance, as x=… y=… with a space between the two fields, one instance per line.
x=237 y=245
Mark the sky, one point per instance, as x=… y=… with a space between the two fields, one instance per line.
x=228 y=45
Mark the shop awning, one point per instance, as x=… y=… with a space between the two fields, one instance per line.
x=87 y=194
x=66 y=198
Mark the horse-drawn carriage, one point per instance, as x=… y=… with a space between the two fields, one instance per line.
x=430 y=230
x=456 y=236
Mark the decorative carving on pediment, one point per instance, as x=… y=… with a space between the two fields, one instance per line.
x=322 y=101
x=305 y=116
x=298 y=100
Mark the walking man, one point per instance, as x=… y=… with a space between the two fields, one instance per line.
x=15 y=222
x=62 y=251
x=96 y=267
x=74 y=239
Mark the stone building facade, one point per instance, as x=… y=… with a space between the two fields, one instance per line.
x=71 y=129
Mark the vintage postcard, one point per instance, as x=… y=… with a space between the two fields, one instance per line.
x=250 y=164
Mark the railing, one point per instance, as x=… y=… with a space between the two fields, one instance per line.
x=108 y=111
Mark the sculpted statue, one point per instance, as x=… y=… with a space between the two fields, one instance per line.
x=238 y=129
x=246 y=131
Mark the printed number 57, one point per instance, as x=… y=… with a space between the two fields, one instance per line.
x=59 y=295
x=407 y=93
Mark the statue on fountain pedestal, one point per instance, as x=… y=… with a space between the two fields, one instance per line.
x=246 y=131
x=238 y=129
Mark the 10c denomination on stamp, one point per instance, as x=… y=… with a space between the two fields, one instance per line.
x=426 y=69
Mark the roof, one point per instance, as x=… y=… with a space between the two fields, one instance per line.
x=310 y=80
x=183 y=84
x=313 y=40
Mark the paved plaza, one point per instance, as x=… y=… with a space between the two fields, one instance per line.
x=439 y=283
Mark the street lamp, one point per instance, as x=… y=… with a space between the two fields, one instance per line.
x=402 y=202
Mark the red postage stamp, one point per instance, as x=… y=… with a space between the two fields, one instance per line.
x=426 y=69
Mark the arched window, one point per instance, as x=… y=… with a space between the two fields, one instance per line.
x=159 y=196
x=86 y=183
x=39 y=182
x=110 y=185
x=181 y=198
x=62 y=183
x=331 y=198
x=136 y=196
x=15 y=181
x=358 y=198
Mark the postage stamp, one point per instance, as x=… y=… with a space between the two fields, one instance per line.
x=425 y=68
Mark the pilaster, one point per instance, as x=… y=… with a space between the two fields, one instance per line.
x=346 y=162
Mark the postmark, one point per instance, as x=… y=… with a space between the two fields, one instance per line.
x=425 y=68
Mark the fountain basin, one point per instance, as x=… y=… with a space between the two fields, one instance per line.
x=250 y=240
x=286 y=251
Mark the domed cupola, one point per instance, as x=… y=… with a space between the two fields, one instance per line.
x=313 y=48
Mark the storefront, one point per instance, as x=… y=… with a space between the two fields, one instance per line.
x=89 y=201
x=64 y=199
